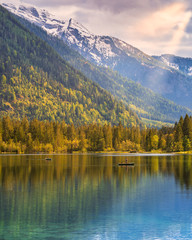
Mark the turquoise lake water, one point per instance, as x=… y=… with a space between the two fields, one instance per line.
x=90 y=197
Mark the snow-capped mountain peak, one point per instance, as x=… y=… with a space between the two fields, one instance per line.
x=28 y=12
x=76 y=25
x=102 y=50
x=43 y=18
x=40 y=17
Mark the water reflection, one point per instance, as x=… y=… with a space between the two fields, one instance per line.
x=20 y=172
x=64 y=195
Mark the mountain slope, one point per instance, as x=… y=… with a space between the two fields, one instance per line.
x=37 y=82
x=143 y=101
x=116 y=54
x=181 y=64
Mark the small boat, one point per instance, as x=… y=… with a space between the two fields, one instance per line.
x=48 y=159
x=126 y=164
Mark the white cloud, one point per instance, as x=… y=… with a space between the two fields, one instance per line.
x=165 y=27
x=161 y=22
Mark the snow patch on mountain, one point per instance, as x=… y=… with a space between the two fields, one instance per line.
x=172 y=65
x=103 y=50
x=190 y=71
x=178 y=63
x=40 y=17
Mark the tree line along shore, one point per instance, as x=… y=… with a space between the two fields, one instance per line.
x=23 y=136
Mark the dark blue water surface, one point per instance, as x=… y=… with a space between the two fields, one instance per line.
x=91 y=197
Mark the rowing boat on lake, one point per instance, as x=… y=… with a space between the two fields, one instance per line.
x=126 y=164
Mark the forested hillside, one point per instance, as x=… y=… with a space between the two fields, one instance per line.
x=144 y=102
x=36 y=82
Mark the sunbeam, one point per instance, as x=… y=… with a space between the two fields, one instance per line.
x=177 y=37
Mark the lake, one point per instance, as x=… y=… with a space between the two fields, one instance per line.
x=88 y=196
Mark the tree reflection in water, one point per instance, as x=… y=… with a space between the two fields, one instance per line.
x=75 y=189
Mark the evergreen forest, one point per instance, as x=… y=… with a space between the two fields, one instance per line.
x=23 y=136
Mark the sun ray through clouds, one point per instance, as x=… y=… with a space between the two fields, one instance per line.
x=177 y=37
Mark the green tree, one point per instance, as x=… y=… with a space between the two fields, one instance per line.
x=186 y=144
x=3 y=79
x=83 y=141
x=108 y=136
x=7 y=129
x=178 y=137
x=187 y=127
x=71 y=135
x=170 y=142
x=154 y=142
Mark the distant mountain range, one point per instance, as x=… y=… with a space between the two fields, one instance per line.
x=160 y=74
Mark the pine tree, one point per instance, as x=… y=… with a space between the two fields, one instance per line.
x=186 y=126
x=186 y=143
x=83 y=141
x=71 y=135
x=178 y=137
x=3 y=80
x=108 y=136
x=8 y=129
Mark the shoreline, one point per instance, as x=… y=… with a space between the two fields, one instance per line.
x=98 y=152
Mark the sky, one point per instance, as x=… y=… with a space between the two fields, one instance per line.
x=154 y=26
